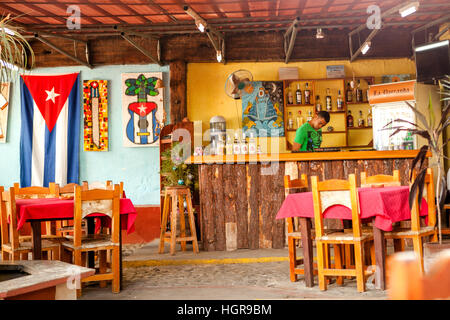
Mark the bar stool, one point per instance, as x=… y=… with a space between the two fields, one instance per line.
x=173 y=204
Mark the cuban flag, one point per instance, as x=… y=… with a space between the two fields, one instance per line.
x=50 y=132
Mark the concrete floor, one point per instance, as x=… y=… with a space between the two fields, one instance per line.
x=219 y=275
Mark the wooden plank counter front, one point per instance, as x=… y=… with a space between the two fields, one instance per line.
x=241 y=195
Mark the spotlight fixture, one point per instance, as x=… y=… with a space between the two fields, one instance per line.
x=8 y=31
x=409 y=9
x=200 y=26
x=319 y=34
x=432 y=46
x=366 y=47
x=219 y=56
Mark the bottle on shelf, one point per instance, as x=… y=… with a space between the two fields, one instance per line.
x=359 y=92
x=299 y=119
x=236 y=144
x=244 y=145
x=307 y=94
x=220 y=146
x=360 y=119
x=339 y=101
x=349 y=119
x=349 y=93
x=298 y=95
x=229 y=145
x=318 y=104
x=369 y=118
x=408 y=142
x=369 y=83
x=328 y=100
x=290 y=97
x=309 y=118
x=290 y=121
x=252 y=144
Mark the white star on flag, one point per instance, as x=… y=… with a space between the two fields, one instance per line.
x=51 y=95
x=142 y=109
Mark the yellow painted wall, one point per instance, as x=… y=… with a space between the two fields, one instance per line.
x=206 y=82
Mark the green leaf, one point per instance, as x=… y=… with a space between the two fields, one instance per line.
x=431 y=111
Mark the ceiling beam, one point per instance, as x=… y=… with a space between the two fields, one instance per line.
x=291 y=33
x=140 y=48
x=62 y=51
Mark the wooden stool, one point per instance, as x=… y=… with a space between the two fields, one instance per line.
x=171 y=195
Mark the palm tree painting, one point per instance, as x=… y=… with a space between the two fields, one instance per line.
x=142 y=109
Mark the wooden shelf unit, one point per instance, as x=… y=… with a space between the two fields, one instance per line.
x=338 y=117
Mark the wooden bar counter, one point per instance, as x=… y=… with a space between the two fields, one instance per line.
x=241 y=195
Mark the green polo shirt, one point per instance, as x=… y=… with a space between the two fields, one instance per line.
x=308 y=137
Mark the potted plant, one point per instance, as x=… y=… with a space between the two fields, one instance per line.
x=15 y=49
x=432 y=131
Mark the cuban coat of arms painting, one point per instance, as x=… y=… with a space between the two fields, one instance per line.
x=4 y=106
x=95 y=110
x=262 y=108
x=142 y=109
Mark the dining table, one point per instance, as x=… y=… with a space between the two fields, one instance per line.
x=36 y=211
x=381 y=206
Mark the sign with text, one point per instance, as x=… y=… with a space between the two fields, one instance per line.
x=392 y=92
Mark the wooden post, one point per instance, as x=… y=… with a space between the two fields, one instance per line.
x=178 y=107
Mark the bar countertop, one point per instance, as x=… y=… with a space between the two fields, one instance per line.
x=303 y=156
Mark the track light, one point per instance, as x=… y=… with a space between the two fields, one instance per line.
x=432 y=46
x=219 y=56
x=366 y=47
x=8 y=31
x=319 y=34
x=409 y=9
x=200 y=26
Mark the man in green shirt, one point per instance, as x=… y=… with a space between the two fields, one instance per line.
x=309 y=135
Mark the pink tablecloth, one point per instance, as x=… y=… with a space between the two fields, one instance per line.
x=387 y=205
x=54 y=208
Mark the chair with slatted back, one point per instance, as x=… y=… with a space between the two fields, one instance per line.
x=75 y=251
x=12 y=247
x=343 y=192
x=380 y=180
x=67 y=191
x=294 y=235
x=417 y=232
x=35 y=192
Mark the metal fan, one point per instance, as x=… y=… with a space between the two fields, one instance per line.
x=236 y=82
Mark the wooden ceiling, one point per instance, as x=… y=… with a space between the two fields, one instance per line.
x=164 y=17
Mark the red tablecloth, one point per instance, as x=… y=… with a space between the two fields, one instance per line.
x=387 y=205
x=54 y=208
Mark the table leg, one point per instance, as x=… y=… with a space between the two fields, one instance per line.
x=305 y=229
x=380 y=257
x=91 y=230
x=36 y=239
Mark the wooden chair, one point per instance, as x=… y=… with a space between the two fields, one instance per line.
x=406 y=282
x=35 y=192
x=356 y=237
x=86 y=202
x=12 y=247
x=380 y=180
x=417 y=232
x=64 y=227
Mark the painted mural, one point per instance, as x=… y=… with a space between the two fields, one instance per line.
x=142 y=109
x=4 y=106
x=262 y=108
x=95 y=110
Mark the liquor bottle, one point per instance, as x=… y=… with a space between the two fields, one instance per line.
x=307 y=94
x=290 y=97
x=349 y=93
x=349 y=119
x=318 y=104
x=290 y=121
x=252 y=144
x=339 y=101
x=244 y=145
x=328 y=100
x=299 y=119
x=236 y=144
x=220 y=146
x=369 y=118
x=229 y=145
x=298 y=95
x=367 y=91
x=359 y=92
x=309 y=118
x=360 y=119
